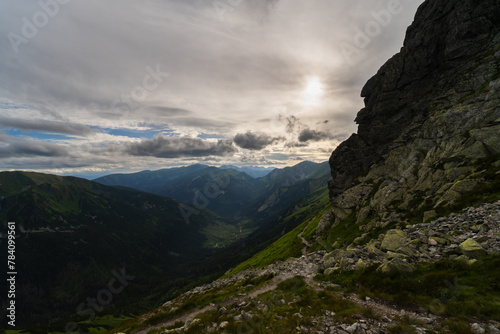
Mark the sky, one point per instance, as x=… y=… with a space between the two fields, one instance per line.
x=93 y=87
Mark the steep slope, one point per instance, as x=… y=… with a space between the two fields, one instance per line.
x=430 y=130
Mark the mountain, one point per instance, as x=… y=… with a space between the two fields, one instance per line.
x=92 y=232
x=253 y=171
x=149 y=180
x=410 y=240
x=230 y=193
x=73 y=235
x=429 y=133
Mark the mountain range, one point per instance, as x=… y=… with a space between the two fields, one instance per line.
x=228 y=192
x=73 y=234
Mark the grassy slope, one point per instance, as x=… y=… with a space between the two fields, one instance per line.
x=289 y=245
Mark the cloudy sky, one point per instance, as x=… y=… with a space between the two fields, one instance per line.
x=90 y=87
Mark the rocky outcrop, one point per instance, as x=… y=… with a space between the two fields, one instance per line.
x=430 y=129
x=467 y=237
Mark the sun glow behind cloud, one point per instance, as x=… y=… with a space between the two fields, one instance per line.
x=313 y=91
x=184 y=70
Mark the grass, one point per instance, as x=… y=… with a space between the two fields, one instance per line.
x=447 y=287
x=220 y=235
x=195 y=301
x=282 y=249
x=290 y=306
x=285 y=247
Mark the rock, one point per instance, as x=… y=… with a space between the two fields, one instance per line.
x=393 y=240
x=477 y=329
x=395 y=264
x=373 y=247
x=430 y=115
x=222 y=310
x=432 y=242
x=329 y=271
x=353 y=328
x=223 y=324
x=360 y=265
x=429 y=215
x=494 y=330
x=472 y=249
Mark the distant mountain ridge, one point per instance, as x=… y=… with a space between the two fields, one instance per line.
x=244 y=196
x=253 y=171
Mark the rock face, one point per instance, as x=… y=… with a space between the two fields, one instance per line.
x=430 y=129
x=467 y=236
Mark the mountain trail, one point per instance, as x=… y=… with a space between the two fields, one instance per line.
x=191 y=315
x=304 y=241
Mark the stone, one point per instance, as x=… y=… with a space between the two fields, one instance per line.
x=361 y=265
x=494 y=330
x=472 y=249
x=477 y=329
x=429 y=215
x=353 y=328
x=395 y=264
x=329 y=271
x=393 y=240
x=432 y=242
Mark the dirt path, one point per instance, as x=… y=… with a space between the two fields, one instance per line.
x=304 y=241
x=191 y=315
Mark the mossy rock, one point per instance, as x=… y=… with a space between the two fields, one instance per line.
x=393 y=240
x=472 y=249
x=429 y=215
x=396 y=264
x=373 y=247
x=361 y=265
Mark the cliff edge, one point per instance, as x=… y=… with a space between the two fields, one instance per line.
x=429 y=134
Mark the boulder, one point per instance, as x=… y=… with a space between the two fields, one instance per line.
x=472 y=249
x=395 y=264
x=361 y=265
x=393 y=240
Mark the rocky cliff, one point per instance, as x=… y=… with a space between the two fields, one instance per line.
x=429 y=134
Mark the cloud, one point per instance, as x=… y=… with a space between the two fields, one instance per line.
x=46 y=126
x=254 y=141
x=308 y=135
x=292 y=123
x=27 y=148
x=313 y=135
x=167 y=111
x=175 y=147
x=228 y=74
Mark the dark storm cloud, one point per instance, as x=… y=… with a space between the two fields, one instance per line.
x=313 y=135
x=45 y=126
x=295 y=145
x=308 y=135
x=28 y=148
x=254 y=141
x=175 y=147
